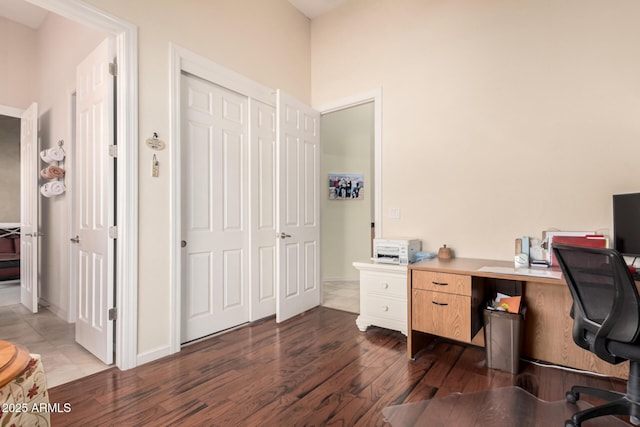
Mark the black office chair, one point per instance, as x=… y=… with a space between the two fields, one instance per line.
x=606 y=321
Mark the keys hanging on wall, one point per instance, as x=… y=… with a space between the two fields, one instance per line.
x=155 y=167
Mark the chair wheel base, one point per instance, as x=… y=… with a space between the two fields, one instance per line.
x=570 y=423
x=572 y=397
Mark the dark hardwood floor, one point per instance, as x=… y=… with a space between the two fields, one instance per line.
x=316 y=369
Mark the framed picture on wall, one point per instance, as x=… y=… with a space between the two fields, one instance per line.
x=346 y=186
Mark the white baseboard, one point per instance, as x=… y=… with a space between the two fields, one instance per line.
x=151 y=355
x=61 y=313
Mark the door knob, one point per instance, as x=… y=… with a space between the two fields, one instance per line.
x=283 y=235
x=75 y=239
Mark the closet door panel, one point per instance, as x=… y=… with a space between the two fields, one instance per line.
x=215 y=205
x=263 y=211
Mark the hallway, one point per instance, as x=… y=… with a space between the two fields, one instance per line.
x=53 y=339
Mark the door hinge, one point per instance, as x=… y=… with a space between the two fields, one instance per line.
x=113 y=69
x=113 y=313
x=113 y=232
x=113 y=150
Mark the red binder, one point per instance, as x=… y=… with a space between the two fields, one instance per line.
x=591 y=241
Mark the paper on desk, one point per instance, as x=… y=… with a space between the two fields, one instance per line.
x=534 y=272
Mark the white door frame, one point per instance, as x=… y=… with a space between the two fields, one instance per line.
x=374 y=96
x=8 y=111
x=126 y=275
x=184 y=60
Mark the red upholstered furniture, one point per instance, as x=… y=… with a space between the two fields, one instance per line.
x=9 y=258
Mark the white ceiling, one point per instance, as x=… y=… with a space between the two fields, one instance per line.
x=22 y=12
x=314 y=8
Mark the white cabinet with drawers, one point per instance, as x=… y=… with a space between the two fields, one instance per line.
x=383 y=296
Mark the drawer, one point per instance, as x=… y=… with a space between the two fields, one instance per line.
x=382 y=307
x=443 y=314
x=383 y=284
x=459 y=284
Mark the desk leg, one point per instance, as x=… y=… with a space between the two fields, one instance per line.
x=416 y=341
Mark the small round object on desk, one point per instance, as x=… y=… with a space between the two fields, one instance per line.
x=444 y=253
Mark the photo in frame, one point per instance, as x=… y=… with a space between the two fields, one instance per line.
x=346 y=186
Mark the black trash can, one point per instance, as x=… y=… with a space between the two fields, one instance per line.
x=503 y=338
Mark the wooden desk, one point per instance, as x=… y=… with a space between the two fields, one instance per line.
x=446 y=298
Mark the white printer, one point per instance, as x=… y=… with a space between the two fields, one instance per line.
x=395 y=251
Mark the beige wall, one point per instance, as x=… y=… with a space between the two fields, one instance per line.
x=267 y=41
x=347 y=147
x=500 y=119
x=18 y=69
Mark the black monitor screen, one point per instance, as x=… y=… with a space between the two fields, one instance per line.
x=626 y=223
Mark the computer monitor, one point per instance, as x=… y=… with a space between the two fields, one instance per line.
x=626 y=224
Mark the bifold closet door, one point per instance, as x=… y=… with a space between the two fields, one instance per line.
x=263 y=209
x=214 y=171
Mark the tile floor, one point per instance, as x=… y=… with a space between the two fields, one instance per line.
x=343 y=296
x=64 y=360
x=53 y=339
x=9 y=292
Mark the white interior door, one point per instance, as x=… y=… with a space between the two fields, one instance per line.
x=29 y=198
x=94 y=195
x=214 y=163
x=263 y=210
x=298 y=274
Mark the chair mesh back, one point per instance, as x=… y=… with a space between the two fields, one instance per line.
x=597 y=278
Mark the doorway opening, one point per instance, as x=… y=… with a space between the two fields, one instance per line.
x=125 y=276
x=9 y=209
x=351 y=141
x=44 y=333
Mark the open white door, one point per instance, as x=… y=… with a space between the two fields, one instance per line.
x=94 y=193
x=298 y=249
x=29 y=208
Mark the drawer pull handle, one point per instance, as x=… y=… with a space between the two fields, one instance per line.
x=385 y=286
x=385 y=308
x=439 y=303
x=440 y=284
